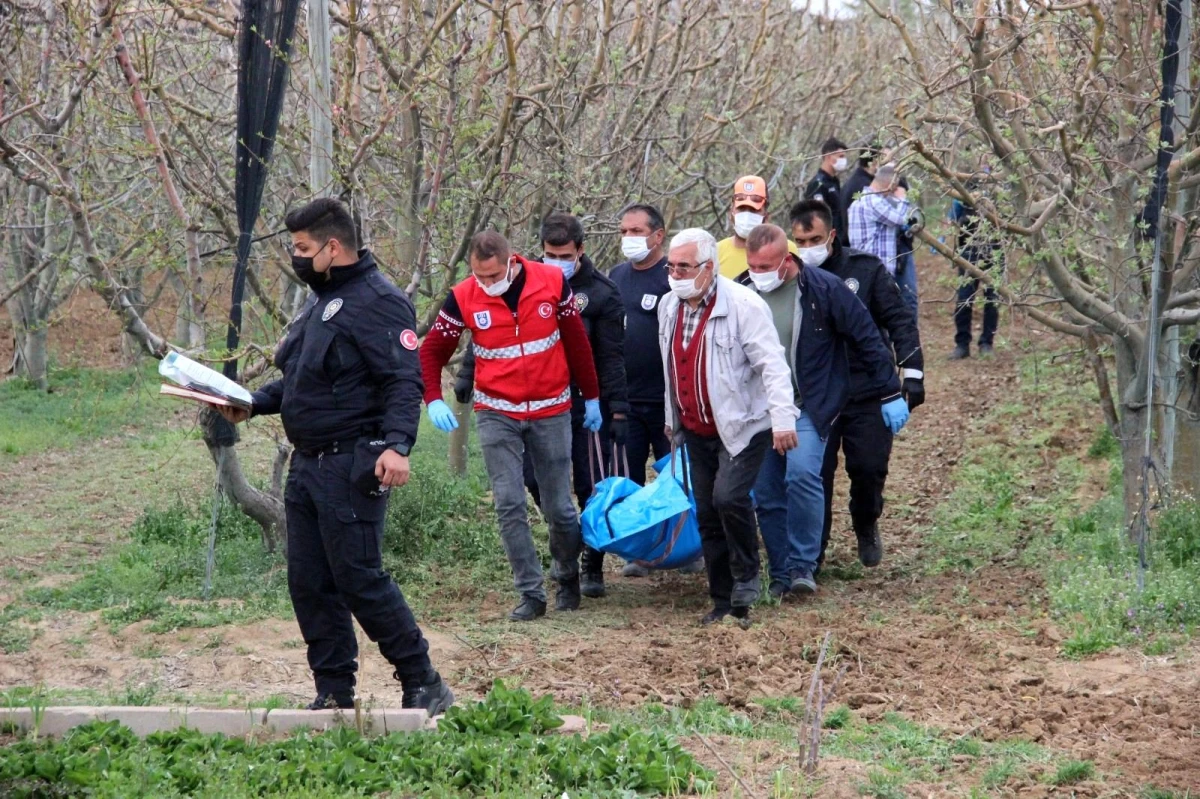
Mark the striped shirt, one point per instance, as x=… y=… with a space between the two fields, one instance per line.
x=874 y=219
x=692 y=316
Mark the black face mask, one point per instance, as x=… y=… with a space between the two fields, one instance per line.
x=303 y=267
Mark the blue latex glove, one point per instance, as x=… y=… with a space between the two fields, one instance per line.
x=895 y=414
x=591 y=415
x=442 y=417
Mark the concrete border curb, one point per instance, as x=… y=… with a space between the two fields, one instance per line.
x=57 y=720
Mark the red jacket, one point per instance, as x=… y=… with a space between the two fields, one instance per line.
x=524 y=359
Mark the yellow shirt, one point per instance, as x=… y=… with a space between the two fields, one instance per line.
x=731 y=259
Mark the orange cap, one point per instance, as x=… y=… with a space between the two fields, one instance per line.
x=750 y=191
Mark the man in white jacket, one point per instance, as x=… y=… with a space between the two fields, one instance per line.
x=729 y=399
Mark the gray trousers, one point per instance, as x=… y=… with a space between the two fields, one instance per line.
x=504 y=441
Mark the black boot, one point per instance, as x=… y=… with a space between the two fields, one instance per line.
x=870 y=546
x=430 y=694
x=337 y=700
x=961 y=351
x=567 y=597
x=592 y=584
x=529 y=609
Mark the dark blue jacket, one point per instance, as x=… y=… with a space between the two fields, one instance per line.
x=833 y=321
x=349 y=364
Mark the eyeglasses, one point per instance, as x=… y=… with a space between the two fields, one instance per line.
x=682 y=269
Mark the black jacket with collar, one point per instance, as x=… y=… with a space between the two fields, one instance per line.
x=834 y=324
x=828 y=189
x=349 y=363
x=865 y=275
x=599 y=303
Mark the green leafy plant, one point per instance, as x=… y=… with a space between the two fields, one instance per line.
x=492 y=748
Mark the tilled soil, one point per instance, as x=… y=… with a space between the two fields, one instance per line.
x=972 y=654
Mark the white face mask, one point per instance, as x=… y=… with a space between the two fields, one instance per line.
x=635 y=248
x=766 y=281
x=500 y=286
x=685 y=288
x=841 y=164
x=813 y=256
x=744 y=222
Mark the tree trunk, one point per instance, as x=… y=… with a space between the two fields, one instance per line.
x=33 y=354
x=1132 y=427
x=1185 y=475
x=458 y=439
x=264 y=508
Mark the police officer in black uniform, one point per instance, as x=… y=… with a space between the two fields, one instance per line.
x=860 y=429
x=826 y=187
x=350 y=399
x=599 y=303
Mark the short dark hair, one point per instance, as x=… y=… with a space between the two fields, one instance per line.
x=832 y=145
x=764 y=235
x=652 y=215
x=560 y=228
x=489 y=244
x=804 y=212
x=324 y=219
x=869 y=152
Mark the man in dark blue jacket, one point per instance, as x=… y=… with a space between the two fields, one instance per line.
x=350 y=398
x=819 y=320
x=859 y=429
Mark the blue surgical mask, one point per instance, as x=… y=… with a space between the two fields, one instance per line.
x=568 y=266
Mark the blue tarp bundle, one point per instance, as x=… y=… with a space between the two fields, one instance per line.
x=654 y=526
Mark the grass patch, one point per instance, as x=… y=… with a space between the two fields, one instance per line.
x=159 y=575
x=1072 y=772
x=996 y=507
x=81 y=404
x=494 y=748
x=440 y=540
x=1092 y=585
x=705 y=717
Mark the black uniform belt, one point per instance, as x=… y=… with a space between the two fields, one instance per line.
x=331 y=448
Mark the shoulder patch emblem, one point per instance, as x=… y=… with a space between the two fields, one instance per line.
x=852 y=284
x=331 y=309
x=545 y=310
x=649 y=301
x=408 y=339
x=483 y=319
x=581 y=301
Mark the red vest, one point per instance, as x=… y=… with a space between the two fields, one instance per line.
x=689 y=372
x=520 y=363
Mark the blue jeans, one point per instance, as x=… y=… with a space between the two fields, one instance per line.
x=906 y=278
x=790 y=497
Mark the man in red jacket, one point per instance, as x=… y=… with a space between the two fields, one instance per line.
x=530 y=344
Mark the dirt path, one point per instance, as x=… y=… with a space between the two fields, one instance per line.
x=972 y=654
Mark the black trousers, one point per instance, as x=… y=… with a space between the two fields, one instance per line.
x=867 y=442
x=724 y=510
x=968 y=289
x=646 y=437
x=335 y=571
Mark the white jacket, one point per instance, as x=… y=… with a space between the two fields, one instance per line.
x=749 y=383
